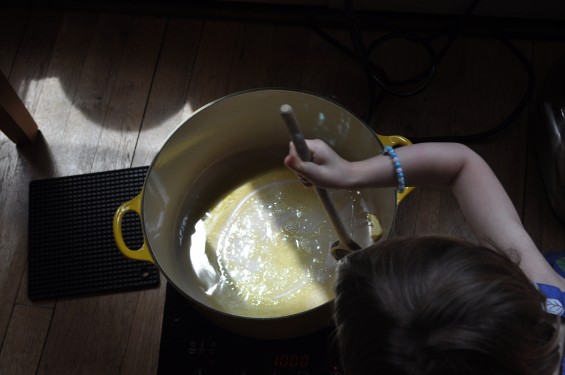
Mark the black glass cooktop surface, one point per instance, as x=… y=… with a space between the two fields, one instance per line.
x=190 y=344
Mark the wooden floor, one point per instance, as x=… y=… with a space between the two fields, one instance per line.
x=107 y=88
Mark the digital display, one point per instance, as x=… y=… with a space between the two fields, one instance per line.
x=284 y=360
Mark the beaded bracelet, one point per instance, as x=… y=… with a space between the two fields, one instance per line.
x=388 y=150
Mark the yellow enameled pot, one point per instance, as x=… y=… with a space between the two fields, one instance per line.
x=221 y=146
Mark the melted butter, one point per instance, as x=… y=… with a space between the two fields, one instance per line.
x=262 y=250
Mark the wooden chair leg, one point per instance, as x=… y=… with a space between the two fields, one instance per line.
x=15 y=120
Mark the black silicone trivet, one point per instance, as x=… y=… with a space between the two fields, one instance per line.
x=72 y=250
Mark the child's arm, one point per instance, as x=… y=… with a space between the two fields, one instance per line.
x=483 y=201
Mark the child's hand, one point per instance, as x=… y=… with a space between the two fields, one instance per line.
x=327 y=169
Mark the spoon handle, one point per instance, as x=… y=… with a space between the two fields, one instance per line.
x=305 y=154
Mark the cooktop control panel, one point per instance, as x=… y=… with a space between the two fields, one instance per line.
x=192 y=345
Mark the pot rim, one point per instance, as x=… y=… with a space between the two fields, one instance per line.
x=156 y=157
x=238 y=93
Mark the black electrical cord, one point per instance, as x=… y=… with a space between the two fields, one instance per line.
x=421 y=80
x=362 y=55
x=377 y=78
x=469 y=138
x=373 y=71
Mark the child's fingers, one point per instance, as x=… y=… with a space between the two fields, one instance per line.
x=295 y=164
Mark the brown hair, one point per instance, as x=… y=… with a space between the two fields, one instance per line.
x=434 y=305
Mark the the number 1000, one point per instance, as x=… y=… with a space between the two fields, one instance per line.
x=292 y=361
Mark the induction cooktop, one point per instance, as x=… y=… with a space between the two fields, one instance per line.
x=190 y=344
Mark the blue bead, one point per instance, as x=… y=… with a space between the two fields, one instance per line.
x=397 y=167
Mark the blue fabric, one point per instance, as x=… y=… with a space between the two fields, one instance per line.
x=555 y=298
x=555 y=302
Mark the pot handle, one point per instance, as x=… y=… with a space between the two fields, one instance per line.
x=143 y=252
x=397 y=141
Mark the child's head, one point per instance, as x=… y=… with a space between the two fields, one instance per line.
x=433 y=305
